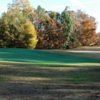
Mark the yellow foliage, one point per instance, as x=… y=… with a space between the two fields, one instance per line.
x=30 y=35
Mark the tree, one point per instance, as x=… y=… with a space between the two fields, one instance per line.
x=86 y=29
x=21 y=25
x=4 y=33
x=13 y=32
x=52 y=36
x=30 y=35
x=98 y=38
x=68 y=27
x=24 y=7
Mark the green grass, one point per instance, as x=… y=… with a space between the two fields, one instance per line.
x=47 y=74
x=43 y=57
x=17 y=72
x=38 y=64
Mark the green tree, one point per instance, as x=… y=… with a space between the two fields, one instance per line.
x=41 y=13
x=68 y=27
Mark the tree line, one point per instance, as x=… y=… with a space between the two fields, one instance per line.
x=25 y=27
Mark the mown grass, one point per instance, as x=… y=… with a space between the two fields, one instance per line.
x=39 y=57
x=50 y=75
x=45 y=65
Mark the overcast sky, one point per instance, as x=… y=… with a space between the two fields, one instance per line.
x=92 y=7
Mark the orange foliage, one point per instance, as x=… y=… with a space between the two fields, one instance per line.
x=87 y=34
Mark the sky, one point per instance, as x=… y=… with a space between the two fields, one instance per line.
x=91 y=7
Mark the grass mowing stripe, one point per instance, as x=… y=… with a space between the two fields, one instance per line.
x=54 y=64
x=44 y=57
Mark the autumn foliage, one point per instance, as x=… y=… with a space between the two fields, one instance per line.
x=98 y=38
x=25 y=27
x=88 y=31
x=52 y=35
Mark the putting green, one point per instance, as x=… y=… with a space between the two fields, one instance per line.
x=44 y=57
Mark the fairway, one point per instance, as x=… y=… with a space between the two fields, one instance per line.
x=48 y=75
x=40 y=57
x=49 y=50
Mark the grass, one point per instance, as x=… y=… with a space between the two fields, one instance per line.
x=40 y=60
x=61 y=75
x=44 y=57
x=21 y=82
x=48 y=75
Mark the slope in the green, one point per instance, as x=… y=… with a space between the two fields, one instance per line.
x=43 y=57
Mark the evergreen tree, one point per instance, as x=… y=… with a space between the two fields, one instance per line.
x=68 y=27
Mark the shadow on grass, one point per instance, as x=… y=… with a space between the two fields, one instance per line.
x=70 y=74
x=62 y=81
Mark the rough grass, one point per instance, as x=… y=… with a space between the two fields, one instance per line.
x=60 y=74
x=29 y=82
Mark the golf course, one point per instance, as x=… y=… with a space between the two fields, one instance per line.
x=49 y=50
x=50 y=74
